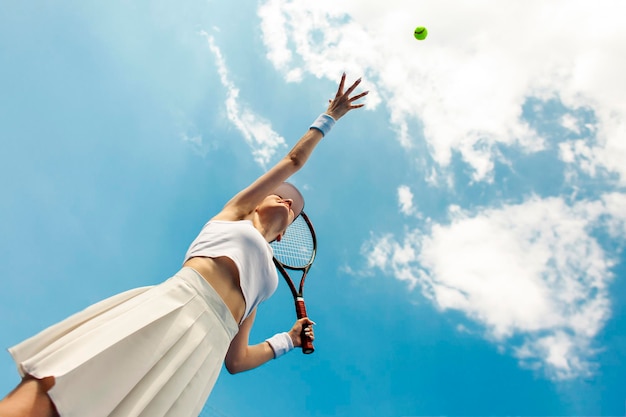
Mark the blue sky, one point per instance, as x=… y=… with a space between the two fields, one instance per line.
x=471 y=219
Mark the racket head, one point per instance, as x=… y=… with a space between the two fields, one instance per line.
x=298 y=246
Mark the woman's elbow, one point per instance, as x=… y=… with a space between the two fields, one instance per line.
x=233 y=367
x=295 y=160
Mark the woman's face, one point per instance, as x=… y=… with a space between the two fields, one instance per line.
x=279 y=211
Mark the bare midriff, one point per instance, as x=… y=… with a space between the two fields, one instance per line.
x=222 y=274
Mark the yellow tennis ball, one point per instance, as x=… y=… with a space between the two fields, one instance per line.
x=420 y=33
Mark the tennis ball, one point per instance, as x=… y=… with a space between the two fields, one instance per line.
x=420 y=33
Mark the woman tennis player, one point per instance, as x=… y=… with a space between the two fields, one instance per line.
x=158 y=350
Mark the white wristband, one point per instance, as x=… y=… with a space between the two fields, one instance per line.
x=323 y=123
x=280 y=343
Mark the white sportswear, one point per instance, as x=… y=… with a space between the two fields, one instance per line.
x=241 y=242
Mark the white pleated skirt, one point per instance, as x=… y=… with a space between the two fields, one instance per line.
x=150 y=352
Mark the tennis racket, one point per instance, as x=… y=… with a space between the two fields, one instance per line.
x=296 y=252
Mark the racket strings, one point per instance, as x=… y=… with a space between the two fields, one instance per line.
x=296 y=248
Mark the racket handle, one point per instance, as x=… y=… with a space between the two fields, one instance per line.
x=307 y=343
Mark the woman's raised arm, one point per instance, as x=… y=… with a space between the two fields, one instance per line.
x=246 y=200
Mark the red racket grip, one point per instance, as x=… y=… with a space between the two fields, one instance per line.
x=307 y=343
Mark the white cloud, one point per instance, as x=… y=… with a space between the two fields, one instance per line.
x=531 y=270
x=385 y=252
x=405 y=199
x=468 y=80
x=569 y=122
x=613 y=214
x=257 y=132
x=196 y=143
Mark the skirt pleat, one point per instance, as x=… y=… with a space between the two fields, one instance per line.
x=167 y=380
x=200 y=377
x=42 y=341
x=145 y=352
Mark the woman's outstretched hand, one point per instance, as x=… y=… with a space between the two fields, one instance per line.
x=343 y=103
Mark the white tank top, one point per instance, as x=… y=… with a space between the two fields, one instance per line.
x=245 y=246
